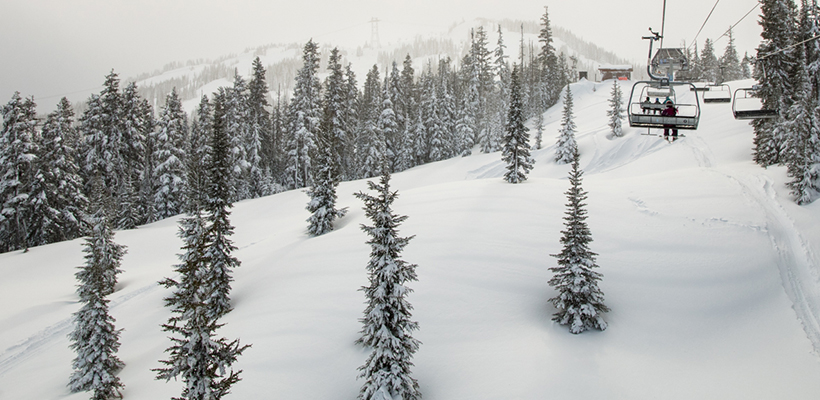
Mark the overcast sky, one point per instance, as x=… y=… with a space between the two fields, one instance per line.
x=51 y=48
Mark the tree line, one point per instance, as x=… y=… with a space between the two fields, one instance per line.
x=150 y=161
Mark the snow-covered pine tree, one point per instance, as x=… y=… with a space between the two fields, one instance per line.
x=326 y=166
x=370 y=144
x=333 y=125
x=102 y=129
x=548 y=61
x=579 y=301
x=803 y=152
x=196 y=158
x=169 y=158
x=351 y=120
x=95 y=338
x=388 y=125
x=730 y=62
x=773 y=69
x=394 y=137
x=18 y=150
x=386 y=323
x=238 y=129
x=467 y=127
x=516 y=142
x=60 y=203
x=260 y=135
x=305 y=116
x=217 y=213
x=745 y=67
x=539 y=131
x=434 y=124
x=136 y=195
x=195 y=354
x=322 y=193
x=566 y=145
x=616 y=111
x=709 y=62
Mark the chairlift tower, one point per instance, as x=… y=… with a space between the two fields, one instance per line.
x=374 y=33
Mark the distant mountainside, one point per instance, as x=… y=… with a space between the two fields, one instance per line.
x=195 y=78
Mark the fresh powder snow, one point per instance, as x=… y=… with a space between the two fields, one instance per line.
x=709 y=267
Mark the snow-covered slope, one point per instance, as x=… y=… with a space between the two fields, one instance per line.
x=711 y=272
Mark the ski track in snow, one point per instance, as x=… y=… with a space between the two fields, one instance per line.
x=796 y=260
x=45 y=338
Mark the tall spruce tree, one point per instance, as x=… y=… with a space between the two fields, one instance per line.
x=516 y=143
x=95 y=338
x=386 y=323
x=200 y=359
x=217 y=212
x=616 y=111
x=60 y=203
x=730 y=69
x=136 y=194
x=169 y=158
x=803 y=152
x=579 y=301
x=18 y=151
x=566 y=145
x=773 y=69
x=710 y=67
x=196 y=158
x=326 y=175
x=371 y=146
x=305 y=117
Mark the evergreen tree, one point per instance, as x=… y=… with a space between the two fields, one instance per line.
x=305 y=117
x=566 y=145
x=730 y=69
x=745 y=67
x=539 y=131
x=217 y=213
x=61 y=203
x=386 y=323
x=371 y=144
x=804 y=138
x=393 y=134
x=550 y=76
x=773 y=69
x=195 y=354
x=322 y=205
x=335 y=112
x=259 y=146
x=95 y=338
x=616 y=111
x=196 y=158
x=18 y=151
x=710 y=68
x=137 y=190
x=102 y=129
x=516 y=146
x=169 y=158
x=351 y=121
x=580 y=303
x=238 y=129
x=467 y=125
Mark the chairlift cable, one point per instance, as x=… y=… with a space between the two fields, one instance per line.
x=663 y=22
x=704 y=24
x=737 y=23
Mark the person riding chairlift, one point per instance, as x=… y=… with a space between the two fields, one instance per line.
x=669 y=111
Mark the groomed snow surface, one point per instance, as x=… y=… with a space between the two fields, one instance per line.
x=710 y=269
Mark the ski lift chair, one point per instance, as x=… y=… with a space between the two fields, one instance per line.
x=647 y=114
x=717 y=94
x=746 y=105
